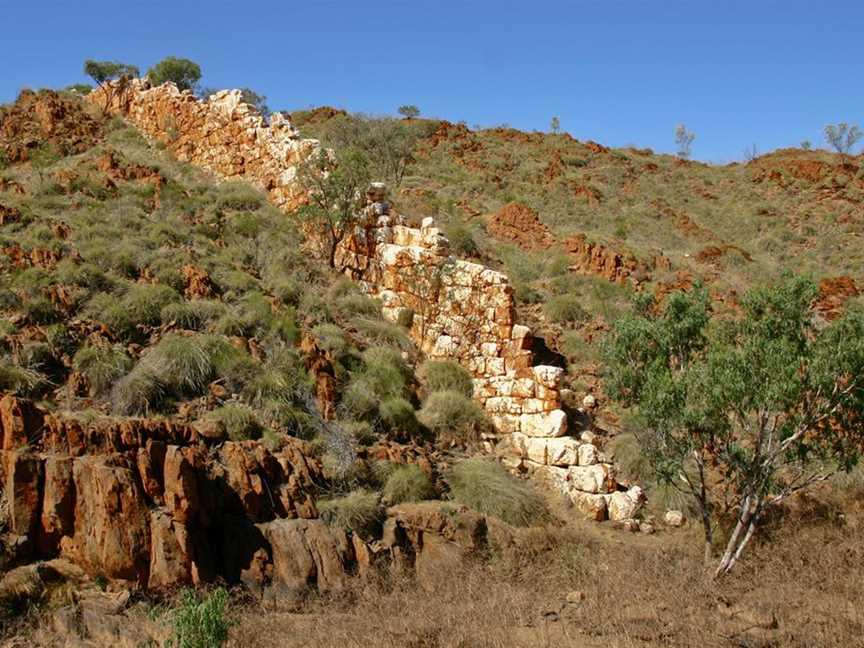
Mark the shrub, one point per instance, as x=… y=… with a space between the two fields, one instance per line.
x=40 y=310
x=200 y=623
x=22 y=380
x=382 y=332
x=193 y=315
x=565 y=309
x=408 y=484
x=353 y=305
x=386 y=372
x=137 y=393
x=443 y=375
x=239 y=421
x=102 y=366
x=451 y=416
x=399 y=417
x=359 y=511
x=184 y=73
x=331 y=338
x=181 y=362
x=462 y=242
x=488 y=488
x=382 y=376
x=140 y=306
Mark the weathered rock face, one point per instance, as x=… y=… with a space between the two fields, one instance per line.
x=221 y=134
x=145 y=500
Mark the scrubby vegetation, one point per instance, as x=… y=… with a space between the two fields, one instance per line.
x=486 y=486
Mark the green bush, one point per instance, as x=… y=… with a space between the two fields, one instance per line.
x=193 y=315
x=359 y=511
x=239 y=421
x=181 y=362
x=140 y=306
x=383 y=375
x=331 y=339
x=488 y=488
x=399 y=418
x=443 y=375
x=451 y=416
x=22 y=380
x=138 y=393
x=462 y=242
x=565 y=309
x=407 y=484
x=381 y=332
x=102 y=366
x=200 y=622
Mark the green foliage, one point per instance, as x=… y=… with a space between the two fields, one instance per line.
x=452 y=416
x=200 y=622
x=382 y=375
x=488 y=488
x=336 y=195
x=137 y=393
x=140 y=306
x=359 y=511
x=102 y=71
x=23 y=380
x=407 y=483
x=238 y=421
x=102 y=366
x=462 y=242
x=842 y=137
x=183 y=73
x=443 y=375
x=399 y=418
x=565 y=309
x=181 y=363
x=409 y=111
x=769 y=399
x=193 y=315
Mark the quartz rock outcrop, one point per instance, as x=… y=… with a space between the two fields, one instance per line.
x=221 y=134
x=458 y=310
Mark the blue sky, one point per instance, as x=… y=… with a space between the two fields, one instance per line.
x=769 y=73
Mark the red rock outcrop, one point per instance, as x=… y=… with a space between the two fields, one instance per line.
x=145 y=500
x=46 y=118
x=519 y=224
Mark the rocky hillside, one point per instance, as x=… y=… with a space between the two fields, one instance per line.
x=191 y=397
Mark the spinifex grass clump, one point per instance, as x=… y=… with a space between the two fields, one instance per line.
x=487 y=487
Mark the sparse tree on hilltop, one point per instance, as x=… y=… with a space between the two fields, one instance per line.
x=806 y=145
x=336 y=191
x=185 y=74
x=842 y=137
x=104 y=71
x=684 y=141
x=409 y=112
x=741 y=414
x=387 y=143
x=555 y=125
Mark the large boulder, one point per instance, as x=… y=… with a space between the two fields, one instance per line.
x=308 y=554
x=111 y=536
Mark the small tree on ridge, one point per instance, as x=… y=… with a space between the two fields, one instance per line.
x=104 y=71
x=185 y=74
x=684 y=141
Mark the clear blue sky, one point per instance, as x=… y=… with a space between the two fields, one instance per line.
x=737 y=73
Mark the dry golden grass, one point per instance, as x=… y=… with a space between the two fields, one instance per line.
x=638 y=591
